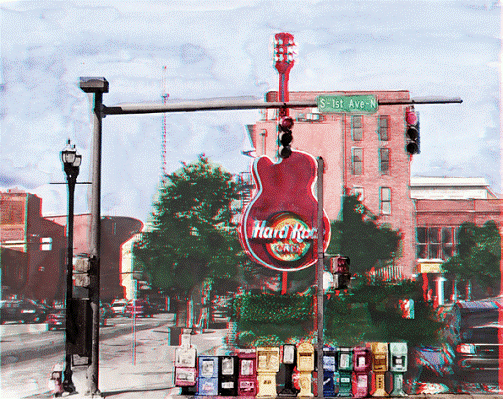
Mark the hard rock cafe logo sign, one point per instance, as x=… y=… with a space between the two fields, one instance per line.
x=278 y=227
x=287 y=238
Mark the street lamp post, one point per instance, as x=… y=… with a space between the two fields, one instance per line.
x=71 y=163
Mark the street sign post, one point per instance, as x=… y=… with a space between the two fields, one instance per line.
x=357 y=103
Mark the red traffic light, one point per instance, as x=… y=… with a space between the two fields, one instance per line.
x=410 y=117
x=286 y=123
x=285 y=136
x=412 y=131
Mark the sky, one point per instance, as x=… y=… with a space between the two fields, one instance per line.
x=209 y=49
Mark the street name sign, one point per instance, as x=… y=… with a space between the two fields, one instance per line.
x=360 y=103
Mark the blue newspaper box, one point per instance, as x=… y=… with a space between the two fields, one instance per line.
x=207 y=381
x=329 y=369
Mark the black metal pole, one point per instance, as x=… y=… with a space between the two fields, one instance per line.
x=71 y=176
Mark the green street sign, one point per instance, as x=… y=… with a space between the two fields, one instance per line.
x=360 y=104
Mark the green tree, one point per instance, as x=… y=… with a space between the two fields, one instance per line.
x=358 y=235
x=371 y=311
x=192 y=237
x=478 y=256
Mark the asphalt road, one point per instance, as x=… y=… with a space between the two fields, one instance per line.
x=27 y=346
x=131 y=365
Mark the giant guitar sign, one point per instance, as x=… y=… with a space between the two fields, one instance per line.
x=278 y=228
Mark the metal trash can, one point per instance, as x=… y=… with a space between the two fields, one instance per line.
x=174 y=335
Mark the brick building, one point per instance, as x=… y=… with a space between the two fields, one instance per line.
x=442 y=205
x=115 y=231
x=364 y=154
x=34 y=248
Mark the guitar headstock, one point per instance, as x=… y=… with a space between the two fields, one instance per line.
x=284 y=51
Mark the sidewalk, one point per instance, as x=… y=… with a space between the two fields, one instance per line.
x=148 y=372
x=149 y=375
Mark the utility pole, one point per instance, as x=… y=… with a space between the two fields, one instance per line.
x=96 y=86
x=319 y=275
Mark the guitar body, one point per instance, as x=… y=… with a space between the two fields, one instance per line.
x=278 y=228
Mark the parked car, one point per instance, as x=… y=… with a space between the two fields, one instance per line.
x=56 y=320
x=473 y=330
x=118 y=307
x=140 y=308
x=21 y=311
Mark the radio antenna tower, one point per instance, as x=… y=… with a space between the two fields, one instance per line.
x=164 y=96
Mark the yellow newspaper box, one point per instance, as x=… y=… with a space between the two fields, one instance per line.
x=305 y=365
x=267 y=367
x=379 y=366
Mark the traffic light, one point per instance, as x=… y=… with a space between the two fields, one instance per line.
x=285 y=136
x=339 y=267
x=412 y=132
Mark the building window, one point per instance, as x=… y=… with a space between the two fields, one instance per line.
x=435 y=242
x=449 y=241
x=385 y=201
x=46 y=244
x=421 y=243
x=383 y=126
x=384 y=161
x=357 y=161
x=357 y=127
x=358 y=193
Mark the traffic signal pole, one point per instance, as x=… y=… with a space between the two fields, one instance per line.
x=239 y=104
x=96 y=86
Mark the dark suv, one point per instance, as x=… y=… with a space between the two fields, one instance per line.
x=473 y=334
x=21 y=311
x=139 y=308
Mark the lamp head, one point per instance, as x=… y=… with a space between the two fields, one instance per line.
x=69 y=155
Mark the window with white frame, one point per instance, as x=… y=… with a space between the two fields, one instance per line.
x=357 y=127
x=436 y=242
x=384 y=161
x=385 y=201
x=357 y=161
x=383 y=127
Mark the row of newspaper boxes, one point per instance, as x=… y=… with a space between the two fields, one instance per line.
x=358 y=371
